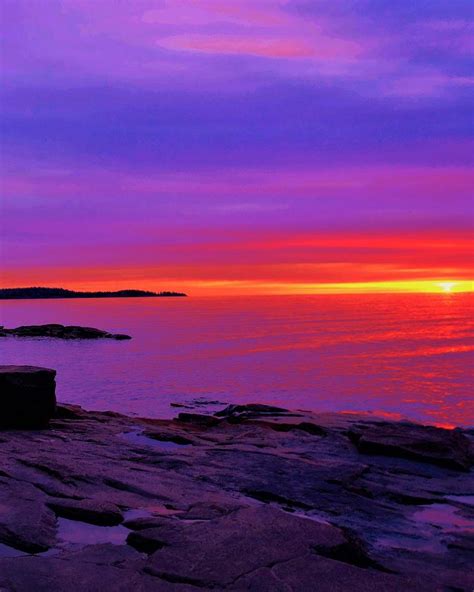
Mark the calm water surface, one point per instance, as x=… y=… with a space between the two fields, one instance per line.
x=408 y=355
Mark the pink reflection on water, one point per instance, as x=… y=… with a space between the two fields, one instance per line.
x=408 y=355
x=81 y=533
x=445 y=517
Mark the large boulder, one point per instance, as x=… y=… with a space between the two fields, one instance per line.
x=28 y=398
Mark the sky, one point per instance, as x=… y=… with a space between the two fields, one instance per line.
x=237 y=146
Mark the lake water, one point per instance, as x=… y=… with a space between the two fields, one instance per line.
x=402 y=355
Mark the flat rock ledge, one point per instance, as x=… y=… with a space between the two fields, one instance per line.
x=61 y=332
x=253 y=498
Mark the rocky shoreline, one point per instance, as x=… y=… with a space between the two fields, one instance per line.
x=250 y=498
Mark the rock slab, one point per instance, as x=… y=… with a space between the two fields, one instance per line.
x=259 y=499
x=438 y=446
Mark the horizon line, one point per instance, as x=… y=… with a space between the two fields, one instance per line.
x=242 y=288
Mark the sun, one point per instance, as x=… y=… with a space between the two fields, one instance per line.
x=447 y=286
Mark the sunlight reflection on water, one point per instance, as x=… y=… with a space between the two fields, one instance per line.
x=398 y=354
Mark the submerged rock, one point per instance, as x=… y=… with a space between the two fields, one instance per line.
x=28 y=397
x=61 y=332
x=251 y=410
x=198 y=419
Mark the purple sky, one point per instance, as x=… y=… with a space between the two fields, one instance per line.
x=236 y=145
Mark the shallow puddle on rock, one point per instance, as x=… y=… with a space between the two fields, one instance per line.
x=445 y=517
x=424 y=543
x=434 y=525
x=7 y=551
x=76 y=534
x=138 y=438
x=160 y=510
x=81 y=533
x=134 y=514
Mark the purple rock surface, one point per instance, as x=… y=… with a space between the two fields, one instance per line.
x=252 y=501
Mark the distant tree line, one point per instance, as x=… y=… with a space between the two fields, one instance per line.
x=37 y=292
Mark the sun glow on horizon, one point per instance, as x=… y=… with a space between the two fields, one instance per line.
x=447 y=286
x=230 y=287
x=403 y=286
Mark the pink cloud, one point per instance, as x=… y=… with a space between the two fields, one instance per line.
x=268 y=48
x=206 y=12
x=317 y=47
x=134 y=40
x=254 y=28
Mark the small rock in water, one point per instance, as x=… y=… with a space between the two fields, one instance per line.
x=199 y=419
x=181 y=405
x=252 y=409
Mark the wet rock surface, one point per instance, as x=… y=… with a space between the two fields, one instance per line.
x=27 y=396
x=91 y=511
x=61 y=332
x=425 y=443
x=247 y=500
